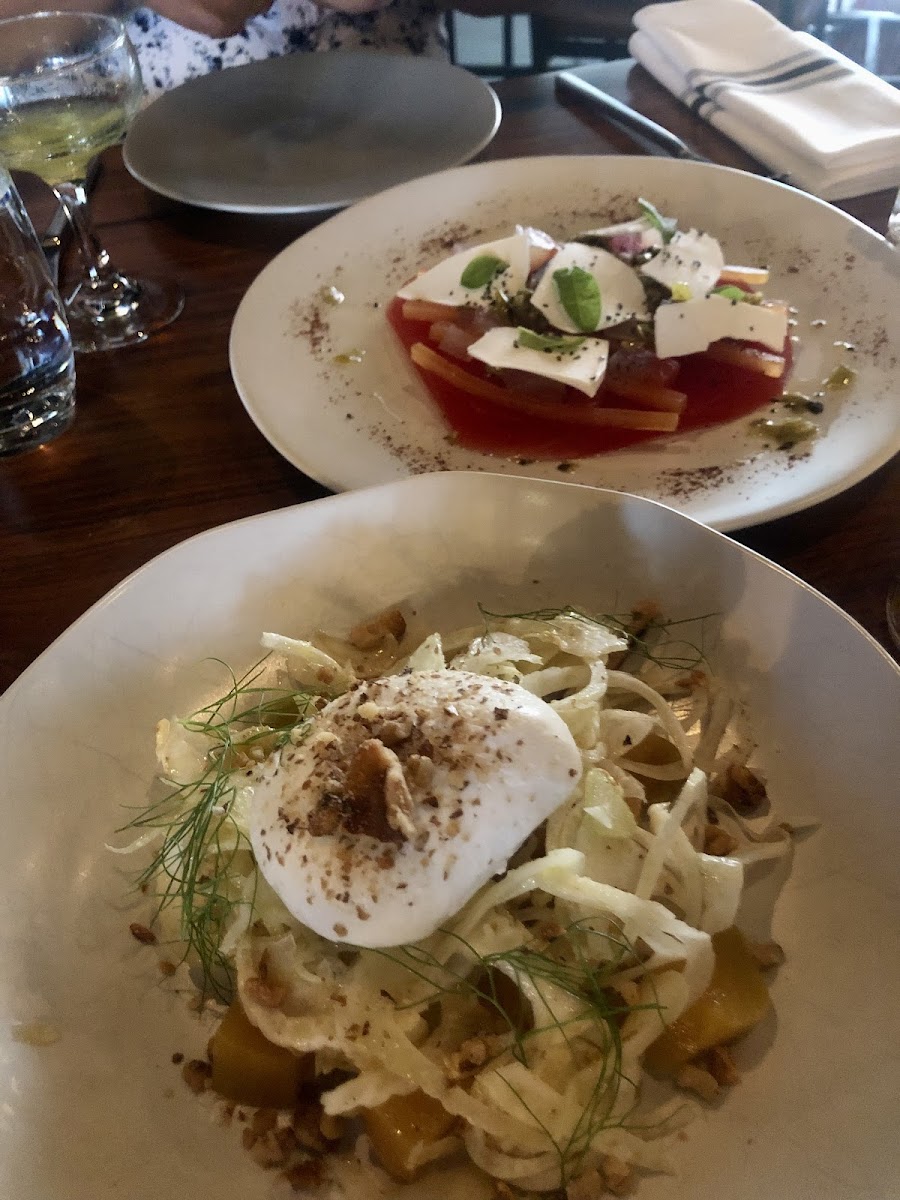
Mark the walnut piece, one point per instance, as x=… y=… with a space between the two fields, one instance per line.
x=378 y=798
x=142 y=934
x=720 y=1064
x=718 y=841
x=464 y=1062
x=197 y=1074
x=367 y=635
x=742 y=789
x=618 y=1175
x=767 y=954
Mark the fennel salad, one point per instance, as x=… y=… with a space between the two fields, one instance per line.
x=457 y=900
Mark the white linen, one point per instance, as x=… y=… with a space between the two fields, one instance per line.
x=795 y=104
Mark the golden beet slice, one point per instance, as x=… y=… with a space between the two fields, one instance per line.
x=249 y=1069
x=396 y=1127
x=737 y=999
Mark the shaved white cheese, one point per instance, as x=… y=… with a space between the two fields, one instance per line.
x=629 y=237
x=621 y=292
x=691 y=259
x=690 y=326
x=582 y=369
x=443 y=283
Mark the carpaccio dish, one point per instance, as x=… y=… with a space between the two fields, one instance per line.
x=638 y=330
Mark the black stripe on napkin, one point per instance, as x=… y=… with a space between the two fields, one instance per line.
x=705 y=94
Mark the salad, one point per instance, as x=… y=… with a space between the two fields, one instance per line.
x=463 y=896
x=619 y=333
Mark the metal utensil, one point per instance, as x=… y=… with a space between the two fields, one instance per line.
x=573 y=85
x=569 y=84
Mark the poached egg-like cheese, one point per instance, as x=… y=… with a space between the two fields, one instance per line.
x=689 y=326
x=443 y=284
x=407 y=795
x=621 y=291
x=691 y=260
x=582 y=368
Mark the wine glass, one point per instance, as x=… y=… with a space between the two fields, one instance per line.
x=70 y=84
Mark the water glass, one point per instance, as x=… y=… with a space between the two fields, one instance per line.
x=37 y=371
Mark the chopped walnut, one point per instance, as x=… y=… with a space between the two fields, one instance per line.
x=697 y=1080
x=264 y=1121
x=767 y=954
x=306 y=1123
x=264 y=993
x=741 y=788
x=718 y=841
x=720 y=1064
x=196 y=1074
x=368 y=635
x=266 y=1151
x=618 y=1175
x=379 y=797
x=472 y=1054
x=326 y=817
x=420 y=769
x=309 y=1174
x=267 y=992
x=395 y=732
x=142 y=934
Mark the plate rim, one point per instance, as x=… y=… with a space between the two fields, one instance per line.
x=431 y=479
x=326 y=206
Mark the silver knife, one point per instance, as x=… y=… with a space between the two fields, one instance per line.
x=573 y=85
x=635 y=122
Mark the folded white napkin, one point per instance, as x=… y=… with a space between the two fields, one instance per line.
x=797 y=105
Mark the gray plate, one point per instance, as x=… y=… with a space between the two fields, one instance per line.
x=309 y=131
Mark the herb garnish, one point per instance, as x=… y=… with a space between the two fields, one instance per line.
x=579 y=294
x=666 y=226
x=548 y=343
x=676 y=655
x=199 y=838
x=481 y=270
x=560 y=962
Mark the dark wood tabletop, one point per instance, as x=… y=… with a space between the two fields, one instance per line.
x=162 y=448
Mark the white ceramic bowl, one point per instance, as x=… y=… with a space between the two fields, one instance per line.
x=102 y=1113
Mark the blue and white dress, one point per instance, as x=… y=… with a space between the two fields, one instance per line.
x=169 y=54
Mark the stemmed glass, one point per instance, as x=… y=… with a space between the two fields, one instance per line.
x=69 y=86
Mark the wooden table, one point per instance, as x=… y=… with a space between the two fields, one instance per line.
x=163 y=449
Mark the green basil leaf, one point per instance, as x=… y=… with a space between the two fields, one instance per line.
x=481 y=270
x=579 y=294
x=730 y=292
x=549 y=344
x=667 y=226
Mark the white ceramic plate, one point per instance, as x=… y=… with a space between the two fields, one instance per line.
x=309 y=131
x=349 y=424
x=102 y=1114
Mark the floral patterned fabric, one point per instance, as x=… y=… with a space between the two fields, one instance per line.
x=170 y=54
